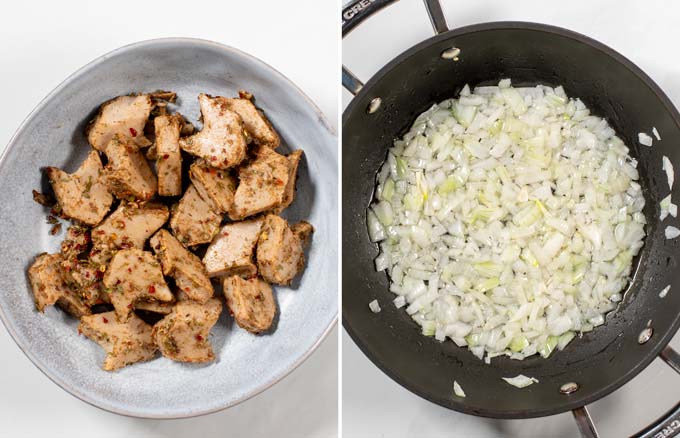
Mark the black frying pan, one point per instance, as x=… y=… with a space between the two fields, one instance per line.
x=384 y=108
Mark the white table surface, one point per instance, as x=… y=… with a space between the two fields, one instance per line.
x=41 y=43
x=645 y=32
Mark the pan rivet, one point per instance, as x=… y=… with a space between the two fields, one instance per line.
x=568 y=388
x=645 y=335
x=451 y=53
x=374 y=105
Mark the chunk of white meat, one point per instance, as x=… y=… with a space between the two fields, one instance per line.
x=216 y=186
x=193 y=220
x=129 y=226
x=125 y=343
x=82 y=195
x=280 y=249
x=124 y=116
x=127 y=174
x=49 y=287
x=168 y=155
x=183 y=335
x=250 y=302
x=289 y=192
x=134 y=275
x=262 y=184
x=256 y=124
x=221 y=142
x=231 y=253
x=184 y=266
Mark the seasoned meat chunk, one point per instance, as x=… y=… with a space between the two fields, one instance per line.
x=262 y=184
x=250 y=302
x=193 y=221
x=221 y=141
x=125 y=343
x=256 y=124
x=280 y=249
x=49 y=286
x=168 y=156
x=134 y=275
x=124 y=116
x=129 y=226
x=184 y=266
x=183 y=334
x=82 y=195
x=215 y=186
x=127 y=173
x=289 y=193
x=231 y=253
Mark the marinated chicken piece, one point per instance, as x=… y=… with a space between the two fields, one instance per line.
x=289 y=193
x=154 y=306
x=184 y=266
x=82 y=195
x=215 y=186
x=125 y=343
x=256 y=124
x=76 y=242
x=124 y=116
x=168 y=156
x=250 y=302
x=231 y=253
x=127 y=173
x=221 y=141
x=49 y=286
x=280 y=249
x=193 y=221
x=262 y=184
x=183 y=334
x=129 y=226
x=134 y=275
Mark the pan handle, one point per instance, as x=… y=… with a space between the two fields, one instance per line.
x=585 y=422
x=359 y=10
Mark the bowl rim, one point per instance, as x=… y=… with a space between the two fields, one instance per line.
x=83 y=71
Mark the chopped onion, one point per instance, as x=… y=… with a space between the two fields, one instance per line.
x=508 y=220
x=667 y=167
x=656 y=133
x=374 y=306
x=645 y=139
x=667 y=207
x=458 y=390
x=520 y=381
x=671 y=232
x=664 y=291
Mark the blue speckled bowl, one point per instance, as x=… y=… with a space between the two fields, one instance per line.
x=54 y=135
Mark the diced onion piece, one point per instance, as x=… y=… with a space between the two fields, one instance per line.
x=399 y=302
x=374 y=306
x=667 y=167
x=664 y=291
x=671 y=232
x=645 y=139
x=656 y=133
x=520 y=381
x=458 y=390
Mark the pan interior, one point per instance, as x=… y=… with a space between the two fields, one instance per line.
x=612 y=88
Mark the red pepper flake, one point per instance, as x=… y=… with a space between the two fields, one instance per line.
x=129 y=269
x=166 y=156
x=278 y=181
x=99 y=274
x=87 y=274
x=152 y=289
x=225 y=234
x=133 y=132
x=129 y=306
x=187 y=289
x=213 y=158
x=199 y=337
x=106 y=321
x=118 y=281
x=100 y=232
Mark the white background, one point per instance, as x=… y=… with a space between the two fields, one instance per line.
x=41 y=43
x=645 y=32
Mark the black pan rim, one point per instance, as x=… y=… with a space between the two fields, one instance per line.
x=670 y=108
